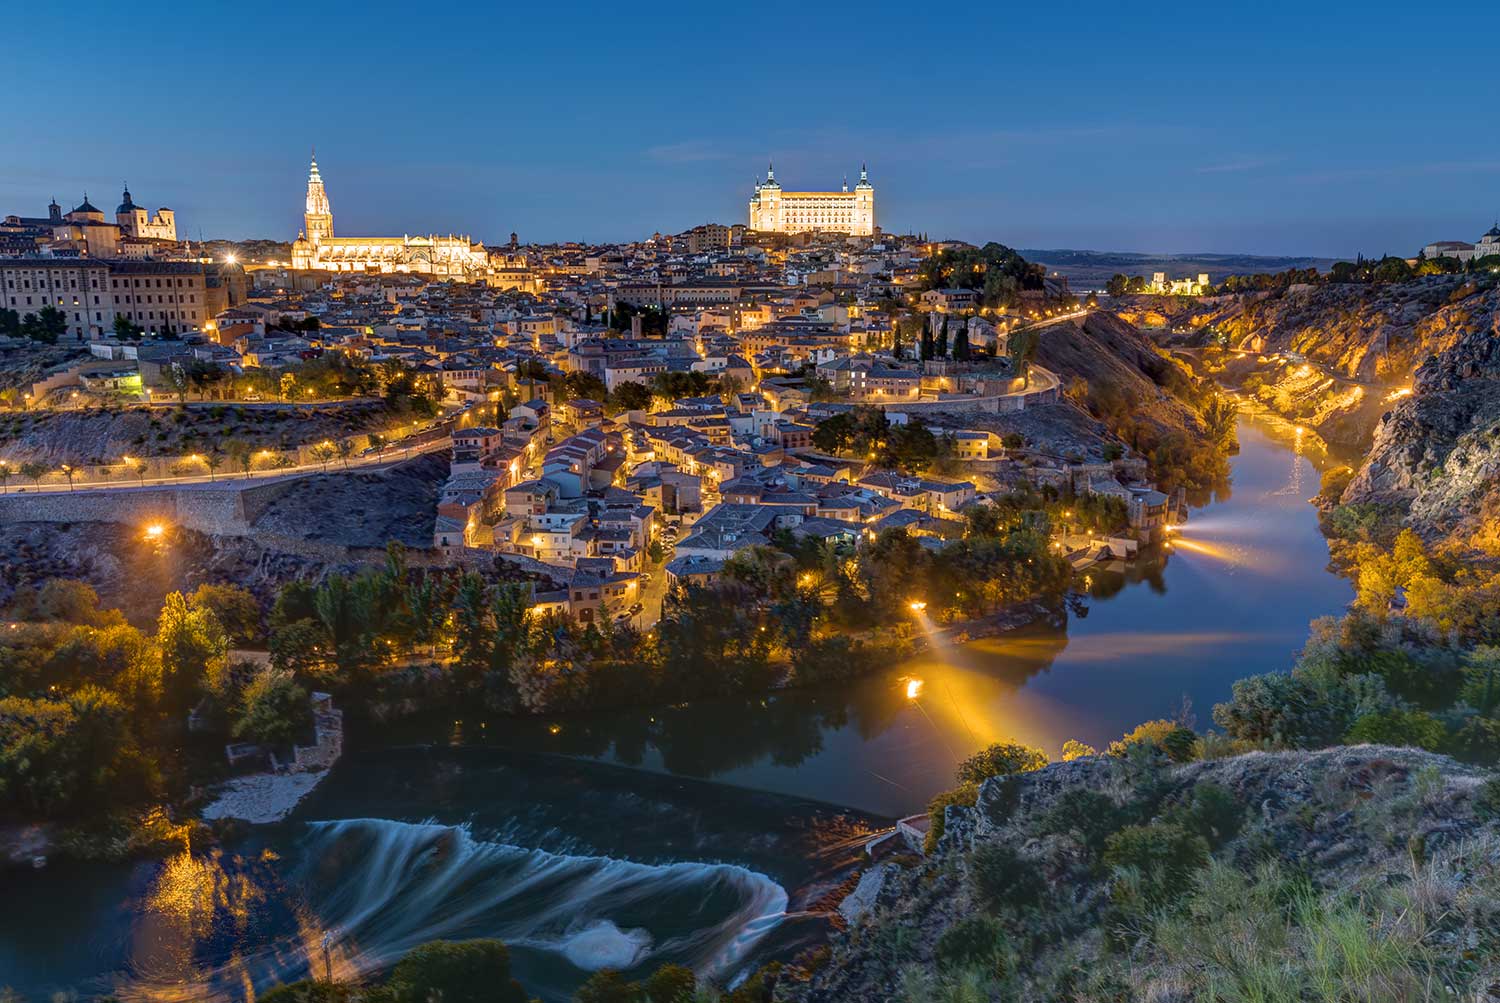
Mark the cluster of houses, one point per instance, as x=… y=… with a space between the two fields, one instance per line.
x=584 y=487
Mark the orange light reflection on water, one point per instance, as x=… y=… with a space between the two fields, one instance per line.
x=973 y=695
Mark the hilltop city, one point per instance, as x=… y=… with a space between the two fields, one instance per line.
x=743 y=614
x=626 y=416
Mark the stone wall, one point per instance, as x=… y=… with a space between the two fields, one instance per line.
x=220 y=510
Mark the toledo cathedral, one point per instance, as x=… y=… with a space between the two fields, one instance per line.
x=316 y=247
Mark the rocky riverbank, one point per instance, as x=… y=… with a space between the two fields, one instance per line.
x=262 y=797
x=1436 y=454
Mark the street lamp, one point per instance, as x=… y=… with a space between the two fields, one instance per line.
x=917 y=605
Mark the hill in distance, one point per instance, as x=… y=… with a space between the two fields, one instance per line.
x=1092 y=269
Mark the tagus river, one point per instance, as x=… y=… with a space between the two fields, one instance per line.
x=706 y=834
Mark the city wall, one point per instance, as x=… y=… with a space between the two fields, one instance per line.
x=221 y=510
x=1049 y=393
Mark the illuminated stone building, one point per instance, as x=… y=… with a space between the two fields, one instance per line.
x=776 y=211
x=318 y=248
x=135 y=221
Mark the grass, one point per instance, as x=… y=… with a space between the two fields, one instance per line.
x=1271 y=936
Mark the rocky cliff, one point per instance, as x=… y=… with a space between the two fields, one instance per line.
x=1437 y=452
x=1350 y=873
x=1373 y=333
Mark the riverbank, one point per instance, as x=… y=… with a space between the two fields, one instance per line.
x=262 y=798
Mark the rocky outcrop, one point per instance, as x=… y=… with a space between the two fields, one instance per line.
x=1374 y=333
x=1347 y=817
x=1437 y=452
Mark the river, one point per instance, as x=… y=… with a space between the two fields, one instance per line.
x=697 y=834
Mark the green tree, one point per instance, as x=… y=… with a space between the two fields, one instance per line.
x=466 y=971
x=193 y=651
x=234 y=606
x=1000 y=759
x=34 y=471
x=630 y=396
x=241 y=454
x=1022 y=346
x=47 y=325
x=274 y=710
x=125 y=329
x=324 y=453
x=585 y=386
x=473 y=635
x=345 y=611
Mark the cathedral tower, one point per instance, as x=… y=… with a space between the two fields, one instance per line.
x=318 y=217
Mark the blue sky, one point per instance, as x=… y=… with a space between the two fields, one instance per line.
x=1328 y=129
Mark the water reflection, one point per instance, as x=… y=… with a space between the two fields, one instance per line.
x=1232 y=597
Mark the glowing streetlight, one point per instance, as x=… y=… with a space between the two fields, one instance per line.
x=155 y=531
x=913 y=689
x=917 y=605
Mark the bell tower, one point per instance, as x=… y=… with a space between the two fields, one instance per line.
x=318 y=217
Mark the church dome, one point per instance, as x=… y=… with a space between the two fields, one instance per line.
x=87 y=206
x=1493 y=231
x=127 y=205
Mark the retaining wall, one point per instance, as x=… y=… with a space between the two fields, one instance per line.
x=222 y=510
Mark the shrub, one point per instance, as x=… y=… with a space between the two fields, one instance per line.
x=1212 y=813
x=1164 y=855
x=465 y=971
x=1088 y=815
x=1398 y=727
x=1487 y=800
x=1285 y=709
x=1178 y=743
x=316 y=991
x=1000 y=759
x=1073 y=749
x=1478 y=741
x=1002 y=877
x=974 y=941
x=1335 y=480
x=670 y=984
x=964 y=795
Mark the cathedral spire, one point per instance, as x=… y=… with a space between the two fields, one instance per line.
x=770 y=171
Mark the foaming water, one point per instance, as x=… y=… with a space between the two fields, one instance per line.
x=364 y=892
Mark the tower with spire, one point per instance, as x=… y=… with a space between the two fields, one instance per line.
x=318 y=217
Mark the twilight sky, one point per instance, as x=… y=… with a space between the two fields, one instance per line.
x=1325 y=129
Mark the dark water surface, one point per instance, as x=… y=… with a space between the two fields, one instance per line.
x=1232 y=597
x=697 y=834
